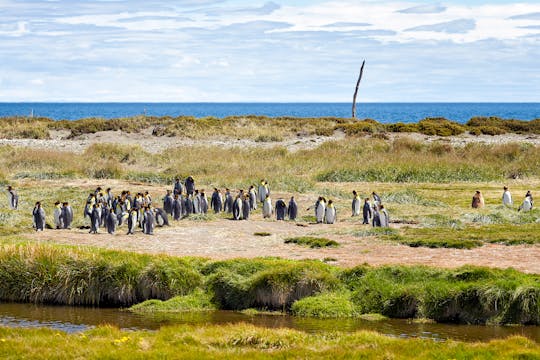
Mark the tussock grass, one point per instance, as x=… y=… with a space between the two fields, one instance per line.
x=312 y=242
x=328 y=305
x=56 y=275
x=465 y=295
x=193 y=302
x=61 y=275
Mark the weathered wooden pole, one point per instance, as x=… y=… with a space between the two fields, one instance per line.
x=356 y=90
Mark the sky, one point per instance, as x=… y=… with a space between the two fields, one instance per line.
x=269 y=51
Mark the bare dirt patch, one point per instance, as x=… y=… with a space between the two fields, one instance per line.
x=227 y=239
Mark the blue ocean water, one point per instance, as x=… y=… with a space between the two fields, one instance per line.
x=383 y=112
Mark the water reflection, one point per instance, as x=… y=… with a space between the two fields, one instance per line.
x=75 y=319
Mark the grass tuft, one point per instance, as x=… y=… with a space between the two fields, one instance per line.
x=312 y=242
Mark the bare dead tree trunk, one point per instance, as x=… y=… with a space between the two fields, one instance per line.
x=356 y=90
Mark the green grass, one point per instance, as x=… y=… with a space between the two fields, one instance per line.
x=469 y=237
x=246 y=341
x=312 y=242
x=194 y=302
x=328 y=305
x=77 y=276
x=70 y=276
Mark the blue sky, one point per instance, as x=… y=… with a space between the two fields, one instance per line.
x=265 y=51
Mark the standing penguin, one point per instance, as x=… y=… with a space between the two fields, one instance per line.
x=168 y=202
x=190 y=185
x=376 y=220
x=178 y=189
x=281 y=209
x=13 y=198
x=330 y=213
x=237 y=208
x=366 y=211
x=95 y=218
x=385 y=218
x=38 y=215
x=355 y=204
x=267 y=209
x=110 y=222
x=66 y=216
x=196 y=202
x=57 y=215
x=246 y=207
x=188 y=206
x=203 y=203
x=376 y=199
x=149 y=221
x=133 y=219
x=252 y=198
x=228 y=205
x=263 y=191
x=292 y=210
x=177 y=207
x=216 y=201
x=320 y=210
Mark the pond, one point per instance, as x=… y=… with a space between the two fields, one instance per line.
x=76 y=319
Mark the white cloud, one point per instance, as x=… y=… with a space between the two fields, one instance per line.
x=239 y=50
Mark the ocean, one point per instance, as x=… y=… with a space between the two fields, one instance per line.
x=382 y=112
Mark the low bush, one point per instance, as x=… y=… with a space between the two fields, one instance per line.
x=312 y=242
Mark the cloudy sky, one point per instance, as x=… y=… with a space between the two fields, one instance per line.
x=264 y=51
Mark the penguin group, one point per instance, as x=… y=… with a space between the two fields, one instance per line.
x=139 y=212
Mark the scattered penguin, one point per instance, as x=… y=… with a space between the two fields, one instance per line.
x=292 y=210
x=38 y=215
x=330 y=213
x=13 y=198
x=355 y=204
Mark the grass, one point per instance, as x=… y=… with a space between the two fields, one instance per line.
x=469 y=237
x=77 y=276
x=61 y=275
x=262 y=233
x=245 y=341
x=312 y=242
x=196 y=301
x=399 y=161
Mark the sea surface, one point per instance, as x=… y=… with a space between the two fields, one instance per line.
x=383 y=112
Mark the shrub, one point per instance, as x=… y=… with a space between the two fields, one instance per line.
x=440 y=127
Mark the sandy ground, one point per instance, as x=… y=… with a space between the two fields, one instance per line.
x=155 y=144
x=227 y=239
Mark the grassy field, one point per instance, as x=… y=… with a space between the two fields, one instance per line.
x=259 y=128
x=427 y=188
x=245 y=341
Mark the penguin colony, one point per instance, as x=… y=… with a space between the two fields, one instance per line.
x=139 y=212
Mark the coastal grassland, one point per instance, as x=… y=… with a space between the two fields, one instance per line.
x=87 y=276
x=245 y=341
x=259 y=128
x=349 y=160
